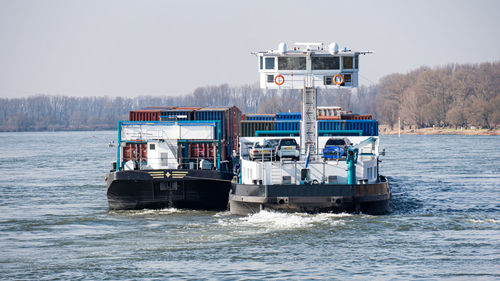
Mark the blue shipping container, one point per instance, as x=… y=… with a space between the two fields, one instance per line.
x=287 y=126
x=213 y=115
x=368 y=127
x=288 y=116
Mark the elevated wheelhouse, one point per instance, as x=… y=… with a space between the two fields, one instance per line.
x=323 y=66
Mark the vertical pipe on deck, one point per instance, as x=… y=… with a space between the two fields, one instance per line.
x=118 y=147
x=351 y=167
x=219 y=144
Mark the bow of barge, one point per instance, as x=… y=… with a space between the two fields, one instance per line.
x=174 y=157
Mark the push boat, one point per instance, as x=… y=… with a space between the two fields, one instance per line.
x=325 y=178
x=174 y=157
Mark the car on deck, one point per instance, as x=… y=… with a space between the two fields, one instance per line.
x=336 y=148
x=265 y=151
x=287 y=148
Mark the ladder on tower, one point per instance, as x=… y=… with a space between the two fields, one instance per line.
x=308 y=124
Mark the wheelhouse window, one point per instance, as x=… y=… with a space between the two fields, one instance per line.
x=261 y=64
x=356 y=63
x=270 y=63
x=291 y=63
x=325 y=63
x=347 y=62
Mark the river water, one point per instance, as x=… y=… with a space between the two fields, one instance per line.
x=54 y=221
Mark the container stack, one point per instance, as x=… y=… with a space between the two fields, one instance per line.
x=145 y=115
x=331 y=121
x=249 y=127
x=229 y=118
x=348 y=127
x=287 y=125
x=230 y=124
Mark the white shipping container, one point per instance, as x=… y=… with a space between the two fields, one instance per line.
x=172 y=131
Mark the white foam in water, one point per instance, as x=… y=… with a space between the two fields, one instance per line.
x=169 y=211
x=222 y=214
x=143 y=212
x=482 y=221
x=267 y=220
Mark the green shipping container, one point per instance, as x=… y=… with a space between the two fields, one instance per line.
x=248 y=128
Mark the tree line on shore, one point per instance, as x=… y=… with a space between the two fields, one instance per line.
x=451 y=95
x=458 y=95
x=56 y=113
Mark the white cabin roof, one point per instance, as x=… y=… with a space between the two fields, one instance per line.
x=311 y=48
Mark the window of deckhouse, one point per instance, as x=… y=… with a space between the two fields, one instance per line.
x=270 y=63
x=325 y=63
x=291 y=63
x=347 y=62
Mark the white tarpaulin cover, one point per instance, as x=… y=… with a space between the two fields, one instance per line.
x=169 y=131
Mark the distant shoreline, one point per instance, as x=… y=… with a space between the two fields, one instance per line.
x=386 y=130
x=383 y=130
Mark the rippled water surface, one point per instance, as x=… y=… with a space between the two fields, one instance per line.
x=54 y=221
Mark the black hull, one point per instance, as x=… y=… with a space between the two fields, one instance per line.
x=373 y=199
x=157 y=189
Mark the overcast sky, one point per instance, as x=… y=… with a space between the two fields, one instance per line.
x=132 y=48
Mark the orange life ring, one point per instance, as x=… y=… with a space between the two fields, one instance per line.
x=279 y=83
x=335 y=79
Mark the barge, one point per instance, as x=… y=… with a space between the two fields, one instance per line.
x=174 y=157
x=338 y=165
